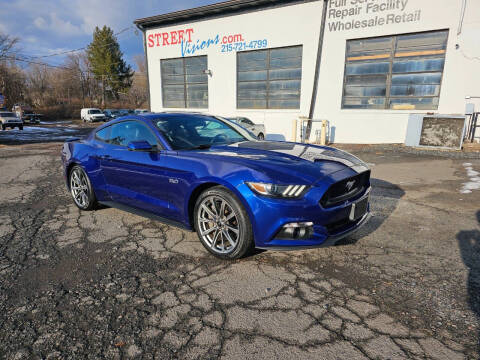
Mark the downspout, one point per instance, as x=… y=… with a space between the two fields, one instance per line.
x=317 y=70
x=142 y=29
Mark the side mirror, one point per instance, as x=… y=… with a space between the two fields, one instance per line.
x=139 y=146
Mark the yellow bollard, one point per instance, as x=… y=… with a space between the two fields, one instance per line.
x=294 y=130
x=323 y=134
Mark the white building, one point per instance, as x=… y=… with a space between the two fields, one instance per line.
x=377 y=62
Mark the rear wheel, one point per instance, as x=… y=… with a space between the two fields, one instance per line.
x=222 y=224
x=20 y=127
x=81 y=189
x=3 y=127
x=261 y=136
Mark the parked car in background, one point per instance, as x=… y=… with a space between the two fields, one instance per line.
x=257 y=129
x=31 y=118
x=8 y=119
x=141 y=111
x=111 y=113
x=125 y=112
x=92 y=115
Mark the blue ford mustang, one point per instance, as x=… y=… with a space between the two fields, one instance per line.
x=207 y=174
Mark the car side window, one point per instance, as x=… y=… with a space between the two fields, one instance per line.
x=127 y=131
x=247 y=122
x=103 y=134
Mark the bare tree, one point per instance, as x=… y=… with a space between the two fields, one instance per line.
x=12 y=79
x=138 y=92
x=7 y=45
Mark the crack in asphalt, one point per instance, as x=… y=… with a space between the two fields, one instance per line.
x=107 y=284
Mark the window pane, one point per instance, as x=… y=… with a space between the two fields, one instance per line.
x=365 y=91
x=196 y=65
x=172 y=67
x=252 y=60
x=418 y=65
x=407 y=79
x=203 y=78
x=367 y=80
x=414 y=103
x=252 y=75
x=295 y=52
x=368 y=68
x=197 y=104
x=284 y=104
x=415 y=90
x=197 y=92
x=173 y=79
x=173 y=92
x=285 y=84
x=174 y=103
x=364 y=103
x=285 y=74
x=285 y=63
x=432 y=41
x=252 y=90
x=369 y=45
x=252 y=104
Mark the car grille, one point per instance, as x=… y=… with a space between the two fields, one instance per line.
x=345 y=190
x=341 y=225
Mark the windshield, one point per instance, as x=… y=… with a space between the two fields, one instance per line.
x=199 y=131
x=7 y=114
x=94 y=112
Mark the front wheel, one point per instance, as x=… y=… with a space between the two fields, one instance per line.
x=222 y=224
x=20 y=127
x=81 y=189
x=261 y=136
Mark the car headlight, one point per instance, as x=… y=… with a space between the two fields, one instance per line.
x=281 y=191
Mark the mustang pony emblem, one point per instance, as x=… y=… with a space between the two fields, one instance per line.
x=349 y=185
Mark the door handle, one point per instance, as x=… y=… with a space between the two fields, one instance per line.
x=104 y=157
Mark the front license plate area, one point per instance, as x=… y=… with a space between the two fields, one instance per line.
x=359 y=209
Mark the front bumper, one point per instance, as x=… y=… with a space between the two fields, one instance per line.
x=329 y=241
x=12 y=124
x=269 y=216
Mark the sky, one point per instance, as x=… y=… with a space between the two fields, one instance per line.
x=46 y=27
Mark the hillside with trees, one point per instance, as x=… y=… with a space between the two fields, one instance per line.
x=95 y=77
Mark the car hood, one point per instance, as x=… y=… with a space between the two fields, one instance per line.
x=308 y=162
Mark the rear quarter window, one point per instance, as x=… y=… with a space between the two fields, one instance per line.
x=103 y=134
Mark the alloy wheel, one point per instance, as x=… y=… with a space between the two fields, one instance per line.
x=218 y=224
x=79 y=188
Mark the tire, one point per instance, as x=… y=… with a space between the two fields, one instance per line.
x=20 y=127
x=84 y=198
x=3 y=127
x=219 y=236
x=261 y=136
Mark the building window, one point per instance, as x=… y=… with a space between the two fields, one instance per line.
x=401 y=72
x=269 y=79
x=184 y=82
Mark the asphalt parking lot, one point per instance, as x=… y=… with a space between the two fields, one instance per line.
x=107 y=284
